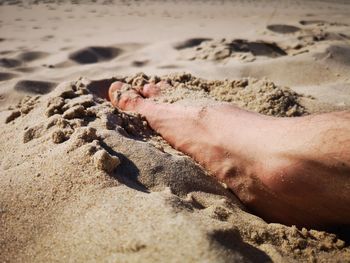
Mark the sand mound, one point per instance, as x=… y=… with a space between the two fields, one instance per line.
x=244 y=50
x=292 y=41
x=257 y=95
x=84 y=181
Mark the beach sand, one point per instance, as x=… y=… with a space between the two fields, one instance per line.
x=81 y=181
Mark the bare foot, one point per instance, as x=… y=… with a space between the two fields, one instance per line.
x=255 y=155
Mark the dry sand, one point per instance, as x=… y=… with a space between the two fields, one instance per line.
x=81 y=181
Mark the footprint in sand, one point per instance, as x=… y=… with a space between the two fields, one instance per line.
x=34 y=86
x=7 y=76
x=9 y=62
x=257 y=48
x=31 y=55
x=94 y=54
x=22 y=58
x=283 y=29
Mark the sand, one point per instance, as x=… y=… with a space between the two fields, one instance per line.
x=81 y=181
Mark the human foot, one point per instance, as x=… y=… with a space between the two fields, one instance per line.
x=193 y=130
x=262 y=159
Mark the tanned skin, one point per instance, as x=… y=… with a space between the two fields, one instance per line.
x=294 y=171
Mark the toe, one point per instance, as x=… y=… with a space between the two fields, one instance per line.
x=123 y=97
x=150 y=90
x=129 y=100
x=115 y=87
x=153 y=90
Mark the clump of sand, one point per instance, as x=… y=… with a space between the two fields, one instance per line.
x=240 y=49
x=261 y=96
x=83 y=181
x=295 y=42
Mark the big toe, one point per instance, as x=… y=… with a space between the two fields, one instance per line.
x=115 y=86
x=123 y=97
